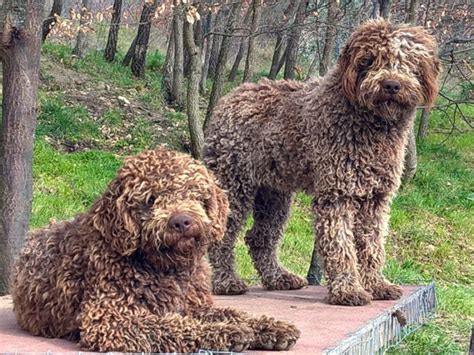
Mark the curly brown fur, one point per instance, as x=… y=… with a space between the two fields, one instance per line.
x=129 y=276
x=340 y=139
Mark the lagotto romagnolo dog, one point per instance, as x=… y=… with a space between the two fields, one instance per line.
x=130 y=275
x=340 y=139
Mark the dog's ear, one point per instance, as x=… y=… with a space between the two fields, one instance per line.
x=429 y=66
x=112 y=216
x=218 y=212
x=349 y=74
x=430 y=70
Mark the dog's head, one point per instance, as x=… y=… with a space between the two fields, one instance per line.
x=389 y=69
x=163 y=204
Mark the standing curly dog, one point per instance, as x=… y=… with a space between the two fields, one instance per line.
x=340 y=139
x=130 y=275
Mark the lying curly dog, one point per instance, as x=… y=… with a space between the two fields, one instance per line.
x=340 y=139
x=130 y=275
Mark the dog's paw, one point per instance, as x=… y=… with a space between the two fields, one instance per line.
x=230 y=285
x=386 y=291
x=238 y=337
x=285 y=281
x=271 y=334
x=351 y=297
x=226 y=337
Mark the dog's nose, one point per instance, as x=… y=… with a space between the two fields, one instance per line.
x=180 y=223
x=391 y=86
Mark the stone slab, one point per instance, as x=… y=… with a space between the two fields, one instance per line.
x=322 y=326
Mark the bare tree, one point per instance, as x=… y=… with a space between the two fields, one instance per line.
x=242 y=47
x=111 y=47
x=330 y=38
x=216 y=42
x=50 y=21
x=81 y=40
x=20 y=41
x=178 y=69
x=142 y=38
x=385 y=8
x=411 y=12
x=167 y=78
x=278 y=59
x=294 y=41
x=423 y=126
x=128 y=56
x=207 y=28
x=192 y=104
x=222 y=60
x=409 y=169
x=256 y=14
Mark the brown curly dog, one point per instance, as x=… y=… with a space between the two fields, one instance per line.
x=340 y=139
x=131 y=274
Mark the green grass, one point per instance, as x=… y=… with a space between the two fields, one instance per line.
x=431 y=235
x=65 y=184
x=65 y=123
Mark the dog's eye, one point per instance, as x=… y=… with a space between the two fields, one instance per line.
x=151 y=201
x=366 y=62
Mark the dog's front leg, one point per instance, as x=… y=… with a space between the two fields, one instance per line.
x=109 y=324
x=335 y=242
x=370 y=227
x=264 y=332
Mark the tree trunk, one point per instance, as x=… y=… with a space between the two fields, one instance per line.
x=423 y=127
x=192 y=105
x=294 y=40
x=50 y=21
x=313 y=66
x=128 y=57
x=216 y=43
x=142 y=38
x=222 y=60
x=411 y=13
x=178 y=70
x=81 y=40
x=409 y=169
x=111 y=47
x=315 y=272
x=198 y=39
x=242 y=47
x=279 y=45
x=375 y=9
x=282 y=60
x=385 y=8
x=167 y=78
x=238 y=58
x=249 y=63
x=207 y=54
x=276 y=57
x=21 y=22
x=330 y=38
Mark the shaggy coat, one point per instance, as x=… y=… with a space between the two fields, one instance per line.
x=131 y=275
x=340 y=139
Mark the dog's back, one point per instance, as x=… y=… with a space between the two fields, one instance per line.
x=256 y=131
x=48 y=283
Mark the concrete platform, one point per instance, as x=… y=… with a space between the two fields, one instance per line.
x=325 y=328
